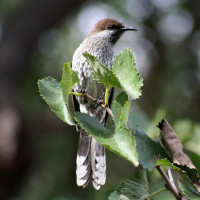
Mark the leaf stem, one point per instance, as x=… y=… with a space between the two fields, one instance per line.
x=106 y=95
x=77 y=94
x=158 y=191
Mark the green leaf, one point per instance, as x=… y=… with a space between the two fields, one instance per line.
x=69 y=79
x=121 y=140
x=189 y=190
x=101 y=72
x=93 y=127
x=120 y=110
x=133 y=189
x=149 y=151
x=184 y=174
x=51 y=92
x=125 y=70
x=114 y=196
x=166 y=162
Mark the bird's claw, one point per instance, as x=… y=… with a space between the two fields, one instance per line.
x=99 y=102
x=83 y=91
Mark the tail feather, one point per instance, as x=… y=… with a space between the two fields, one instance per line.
x=98 y=163
x=83 y=170
x=96 y=185
x=91 y=156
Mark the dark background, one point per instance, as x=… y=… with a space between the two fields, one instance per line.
x=37 y=150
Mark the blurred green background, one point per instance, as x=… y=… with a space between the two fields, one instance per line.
x=37 y=150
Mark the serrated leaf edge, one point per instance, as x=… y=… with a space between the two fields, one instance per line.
x=137 y=73
x=65 y=121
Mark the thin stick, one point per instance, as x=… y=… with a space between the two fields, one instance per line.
x=104 y=106
x=171 y=179
x=108 y=110
x=169 y=185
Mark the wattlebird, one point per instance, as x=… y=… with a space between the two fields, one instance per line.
x=91 y=157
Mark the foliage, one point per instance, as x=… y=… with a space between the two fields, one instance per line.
x=149 y=151
x=120 y=141
x=133 y=189
x=69 y=78
x=52 y=93
x=101 y=73
x=125 y=70
x=189 y=190
x=133 y=145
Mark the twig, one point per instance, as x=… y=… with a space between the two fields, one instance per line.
x=169 y=184
x=171 y=179
x=107 y=109
x=104 y=106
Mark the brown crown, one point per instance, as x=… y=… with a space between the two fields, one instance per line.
x=106 y=24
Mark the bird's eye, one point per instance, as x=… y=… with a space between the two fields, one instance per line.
x=110 y=27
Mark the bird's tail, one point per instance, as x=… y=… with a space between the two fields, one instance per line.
x=83 y=160
x=98 y=164
x=90 y=162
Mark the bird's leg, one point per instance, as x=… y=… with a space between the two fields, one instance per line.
x=83 y=91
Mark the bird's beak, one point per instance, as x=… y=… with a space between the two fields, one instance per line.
x=128 y=28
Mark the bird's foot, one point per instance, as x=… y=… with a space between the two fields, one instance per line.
x=84 y=91
x=99 y=102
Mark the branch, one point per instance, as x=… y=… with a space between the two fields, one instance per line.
x=103 y=105
x=171 y=179
x=170 y=186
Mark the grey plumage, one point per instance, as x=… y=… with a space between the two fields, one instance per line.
x=83 y=170
x=91 y=159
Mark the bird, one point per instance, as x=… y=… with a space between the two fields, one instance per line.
x=91 y=157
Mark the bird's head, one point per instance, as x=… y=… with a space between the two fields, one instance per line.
x=110 y=28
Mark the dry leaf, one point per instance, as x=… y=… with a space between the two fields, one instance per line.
x=175 y=147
